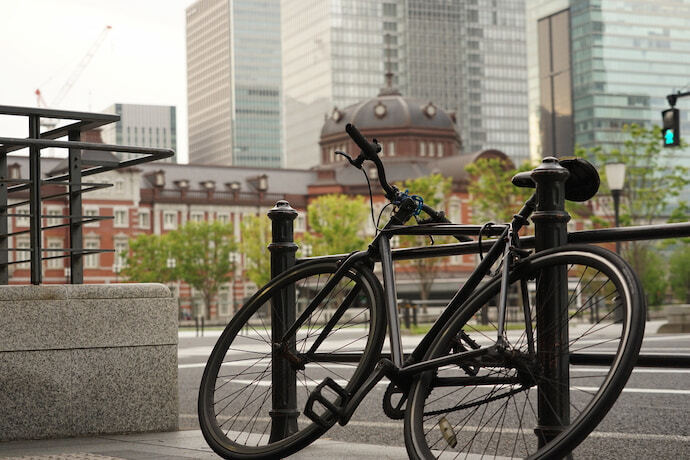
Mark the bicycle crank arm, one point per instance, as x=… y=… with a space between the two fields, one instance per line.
x=345 y=405
x=384 y=368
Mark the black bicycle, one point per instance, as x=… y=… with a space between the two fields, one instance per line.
x=475 y=384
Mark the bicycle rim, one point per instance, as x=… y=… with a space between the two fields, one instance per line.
x=446 y=419
x=235 y=397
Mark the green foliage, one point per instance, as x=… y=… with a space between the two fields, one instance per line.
x=202 y=253
x=652 y=179
x=434 y=188
x=256 y=235
x=679 y=273
x=494 y=197
x=653 y=182
x=650 y=268
x=147 y=261
x=335 y=223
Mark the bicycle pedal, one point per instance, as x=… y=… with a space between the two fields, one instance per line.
x=333 y=412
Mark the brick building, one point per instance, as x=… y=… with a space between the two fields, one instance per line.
x=417 y=137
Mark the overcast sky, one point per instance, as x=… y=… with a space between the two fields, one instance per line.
x=142 y=60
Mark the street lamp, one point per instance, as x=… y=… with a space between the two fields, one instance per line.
x=615 y=176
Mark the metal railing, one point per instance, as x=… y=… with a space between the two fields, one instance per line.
x=68 y=186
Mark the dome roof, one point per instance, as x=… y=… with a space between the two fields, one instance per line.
x=389 y=110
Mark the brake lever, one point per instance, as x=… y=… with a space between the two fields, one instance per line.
x=357 y=162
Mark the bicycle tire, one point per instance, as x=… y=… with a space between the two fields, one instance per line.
x=499 y=419
x=233 y=407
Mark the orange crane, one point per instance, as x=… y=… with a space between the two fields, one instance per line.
x=74 y=76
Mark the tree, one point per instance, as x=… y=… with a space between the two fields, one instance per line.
x=202 y=254
x=336 y=223
x=653 y=182
x=653 y=179
x=494 y=197
x=148 y=260
x=679 y=269
x=256 y=235
x=434 y=189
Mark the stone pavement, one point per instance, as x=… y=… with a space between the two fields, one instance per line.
x=177 y=445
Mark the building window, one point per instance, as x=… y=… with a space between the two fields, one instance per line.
x=54 y=263
x=144 y=219
x=54 y=214
x=23 y=254
x=119 y=186
x=225 y=300
x=432 y=149
x=120 y=218
x=235 y=258
x=391 y=149
x=223 y=218
x=301 y=223
x=22 y=221
x=91 y=212
x=306 y=250
x=422 y=149
x=91 y=260
x=196 y=216
x=169 y=220
x=389 y=9
x=440 y=149
x=120 y=255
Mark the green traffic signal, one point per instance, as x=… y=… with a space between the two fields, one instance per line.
x=671 y=127
x=669 y=137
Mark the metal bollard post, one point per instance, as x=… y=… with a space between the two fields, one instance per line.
x=550 y=220
x=283 y=312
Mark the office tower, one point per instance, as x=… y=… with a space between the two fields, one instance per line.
x=466 y=56
x=142 y=126
x=624 y=58
x=234 y=82
x=470 y=57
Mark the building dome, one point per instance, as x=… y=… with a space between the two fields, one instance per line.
x=391 y=111
x=405 y=126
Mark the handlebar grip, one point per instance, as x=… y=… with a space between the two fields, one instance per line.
x=370 y=150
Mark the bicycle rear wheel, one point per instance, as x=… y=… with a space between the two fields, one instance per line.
x=493 y=408
x=341 y=339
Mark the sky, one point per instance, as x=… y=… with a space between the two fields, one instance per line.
x=141 y=61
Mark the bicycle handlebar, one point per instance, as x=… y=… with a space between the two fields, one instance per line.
x=370 y=152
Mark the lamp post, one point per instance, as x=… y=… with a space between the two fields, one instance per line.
x=615 y=176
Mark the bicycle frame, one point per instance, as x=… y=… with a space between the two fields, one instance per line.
x=380 y=251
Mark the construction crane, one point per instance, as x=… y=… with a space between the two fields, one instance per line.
x=74 y=76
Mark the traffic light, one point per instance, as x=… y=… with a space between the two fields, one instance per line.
x=671 y=127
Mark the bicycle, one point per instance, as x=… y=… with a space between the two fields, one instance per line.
x=467 y=387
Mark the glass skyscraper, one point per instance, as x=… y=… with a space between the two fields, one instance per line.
x=470 y=57
x=234 y=82
x=626 y=56
x=467 y=56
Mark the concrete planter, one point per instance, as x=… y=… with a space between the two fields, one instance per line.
x=87 y=359
x=678 y=317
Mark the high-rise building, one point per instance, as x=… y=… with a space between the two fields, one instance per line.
x=596 y=65
x=468 y=57
x=142 y=126
x=234 y=82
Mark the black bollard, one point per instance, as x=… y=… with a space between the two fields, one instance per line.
x=550 y=228
x=283 y=313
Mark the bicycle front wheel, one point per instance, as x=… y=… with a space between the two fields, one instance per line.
x=340 y=339
x=497 y=407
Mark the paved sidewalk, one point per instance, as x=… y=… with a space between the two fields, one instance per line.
x=176 y=445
